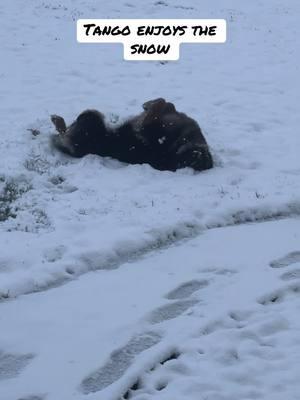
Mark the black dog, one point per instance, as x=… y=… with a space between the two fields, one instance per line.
x=160 y=136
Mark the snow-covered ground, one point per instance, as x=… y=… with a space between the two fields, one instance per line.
x=214 y=318
x=147 y=232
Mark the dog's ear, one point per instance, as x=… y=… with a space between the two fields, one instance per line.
x=169 y=108
x=154 y=104
x=159 y=107
x=59 y=123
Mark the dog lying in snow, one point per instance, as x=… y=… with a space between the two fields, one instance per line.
x=160 y=136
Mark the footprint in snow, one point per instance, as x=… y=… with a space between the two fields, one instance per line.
x=285 y=261
x=156 y=379
x=291 y=275
x=170 y=311
x=12 y=365
x=186 y=289
x=32 y=397
x=181 y=294
x=277 y=296
x=119 y=361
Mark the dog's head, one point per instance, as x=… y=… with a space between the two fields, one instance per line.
x=83 y=136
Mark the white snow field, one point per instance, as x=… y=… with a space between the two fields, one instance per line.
x=119 y=281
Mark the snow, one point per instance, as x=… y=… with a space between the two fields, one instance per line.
x=228 y=316
x=143 y=265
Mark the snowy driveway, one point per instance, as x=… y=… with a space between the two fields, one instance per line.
x=212 y=318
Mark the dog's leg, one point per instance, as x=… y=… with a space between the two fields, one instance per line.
x=59 y=123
